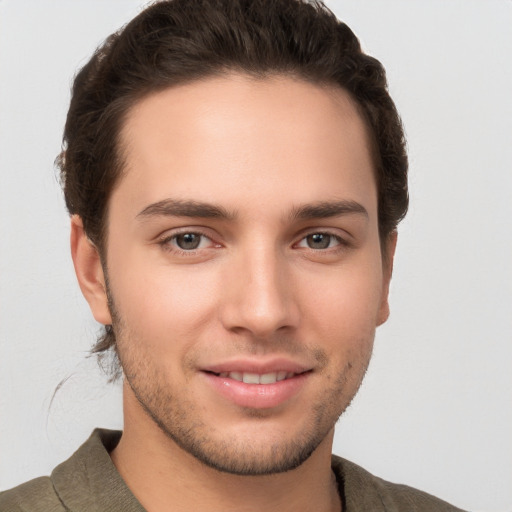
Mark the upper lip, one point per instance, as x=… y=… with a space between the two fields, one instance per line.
x=260 y=367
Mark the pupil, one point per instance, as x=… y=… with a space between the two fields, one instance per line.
x=188 y=241
x=319 y=241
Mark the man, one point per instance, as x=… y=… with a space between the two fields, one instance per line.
x=235 y=172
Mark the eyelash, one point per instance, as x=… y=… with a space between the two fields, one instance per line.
x=167 y=245
x=341 y=243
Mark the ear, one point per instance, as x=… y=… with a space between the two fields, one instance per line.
x=388 y=255
x=89 y=272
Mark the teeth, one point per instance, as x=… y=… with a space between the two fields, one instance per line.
x=251 y=378
x=255 y=378
x=268 y=378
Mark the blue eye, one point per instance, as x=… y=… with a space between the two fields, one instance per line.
x=188 y=241
x=319 y=241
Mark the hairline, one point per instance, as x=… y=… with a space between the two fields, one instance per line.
x=330 y=86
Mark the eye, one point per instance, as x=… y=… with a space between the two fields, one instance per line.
x=187 y=241
x=320 y=241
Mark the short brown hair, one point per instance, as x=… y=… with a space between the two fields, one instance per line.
x=178 y=41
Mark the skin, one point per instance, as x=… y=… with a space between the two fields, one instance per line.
x=274 y=278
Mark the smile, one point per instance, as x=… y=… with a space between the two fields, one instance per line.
x=256 y=378
x=255 y=389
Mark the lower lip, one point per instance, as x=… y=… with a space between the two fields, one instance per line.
x=257 y=396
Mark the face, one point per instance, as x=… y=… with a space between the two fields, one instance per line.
x=244 y=267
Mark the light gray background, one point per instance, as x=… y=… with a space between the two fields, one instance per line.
x=435 y=411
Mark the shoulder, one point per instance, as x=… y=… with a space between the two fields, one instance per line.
x=37 y=495
x=88 y=480
x=364 y=491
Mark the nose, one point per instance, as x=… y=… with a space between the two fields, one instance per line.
x=260 y=295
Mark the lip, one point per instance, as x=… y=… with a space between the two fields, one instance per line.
x=257 y=366
x=257 y=396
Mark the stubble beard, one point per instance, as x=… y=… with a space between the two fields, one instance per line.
x=180 y=421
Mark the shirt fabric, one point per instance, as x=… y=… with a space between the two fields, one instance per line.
x=89 y=482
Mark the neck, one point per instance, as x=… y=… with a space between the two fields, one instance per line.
x=159 y=472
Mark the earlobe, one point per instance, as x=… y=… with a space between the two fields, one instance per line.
x=388 y=255
x=89 y=271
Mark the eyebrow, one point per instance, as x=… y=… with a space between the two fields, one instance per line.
x=198 y=209
x=180 y=208
x=326 y=209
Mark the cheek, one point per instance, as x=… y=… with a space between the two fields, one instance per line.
x=346 y=300
x=161 y=304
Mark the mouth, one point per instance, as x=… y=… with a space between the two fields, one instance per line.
x=258 y=388
x=258 y=378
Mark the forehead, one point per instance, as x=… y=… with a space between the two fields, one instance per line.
x=226 y=137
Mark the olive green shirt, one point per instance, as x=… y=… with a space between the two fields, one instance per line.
x=89 y=482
